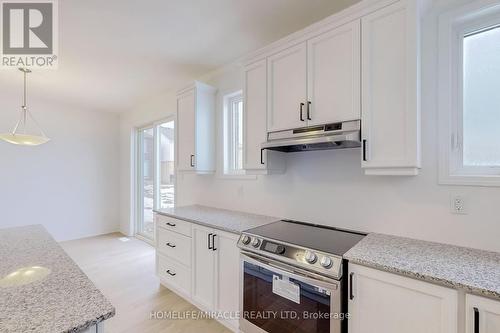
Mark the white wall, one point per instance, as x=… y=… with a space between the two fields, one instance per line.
x=70 y=184
x=329 y=187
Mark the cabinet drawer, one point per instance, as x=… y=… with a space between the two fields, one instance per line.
x=175 y=275
x=175 y=246
x=176 y=225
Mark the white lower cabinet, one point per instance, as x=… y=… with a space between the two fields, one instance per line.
x=200 y=264
x=216 y=272
x=387 y=303
x=483 y=315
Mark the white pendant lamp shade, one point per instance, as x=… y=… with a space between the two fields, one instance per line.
x=19 y=135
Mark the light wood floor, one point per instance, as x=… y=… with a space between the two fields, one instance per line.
x=124 y=272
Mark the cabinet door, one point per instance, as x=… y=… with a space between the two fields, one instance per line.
x=333 y=75
x=203 y=268
x=255 y=113
x=228 y=275
x=390 y=108
x=287 y=88
x=186 y=130
x=389 y=303
x=483 y=315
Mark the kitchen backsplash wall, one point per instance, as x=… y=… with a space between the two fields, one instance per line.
x=329 y=187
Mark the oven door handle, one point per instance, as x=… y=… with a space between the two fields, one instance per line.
x=307 y=277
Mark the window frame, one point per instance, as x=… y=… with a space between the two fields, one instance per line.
x=454 y=26
x=229 y=155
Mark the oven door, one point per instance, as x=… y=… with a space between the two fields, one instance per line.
x=279 y=298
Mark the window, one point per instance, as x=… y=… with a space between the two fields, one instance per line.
x=233 y=134
x=155 y=174
x=469 y=96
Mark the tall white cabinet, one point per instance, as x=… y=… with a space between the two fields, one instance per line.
x=390 y=97
x=388 y=303
x=196 y=128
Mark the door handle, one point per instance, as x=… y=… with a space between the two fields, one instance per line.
x=476 y=320
x=192 y=161
x=170 y=273
x=309 y=110
x=262 y=156
x=213 y=243
x=351 y=293
x=365 y=158
x=210 y=247
x=170 y=245
x=301 y=110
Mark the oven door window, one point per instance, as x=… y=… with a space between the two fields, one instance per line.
x=277 y=314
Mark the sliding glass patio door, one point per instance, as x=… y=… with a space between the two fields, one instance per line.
x=155 y=174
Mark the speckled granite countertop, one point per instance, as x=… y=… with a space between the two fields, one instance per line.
x=57 y=296
x=474 y=271
x=226 y=220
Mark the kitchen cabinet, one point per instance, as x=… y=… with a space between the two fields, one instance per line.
x=389 y=303
x=196 y=129
x=216 y=272
x=390 y=90
x=287 y=88
x=173 y=254
x=483 y=315
x=317 y=81
x=333 y=75
x=256 y=161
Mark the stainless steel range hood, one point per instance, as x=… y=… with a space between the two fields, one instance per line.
x=329 y=136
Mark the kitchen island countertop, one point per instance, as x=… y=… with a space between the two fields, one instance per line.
x=42 y=289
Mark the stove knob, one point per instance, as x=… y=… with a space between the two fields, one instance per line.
x=246 y=240
x=310 y=257
x=326 y=262
x=256 y=242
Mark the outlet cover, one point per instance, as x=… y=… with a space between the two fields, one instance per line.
x=458 y=204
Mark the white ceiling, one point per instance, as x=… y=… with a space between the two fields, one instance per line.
x=116 y=53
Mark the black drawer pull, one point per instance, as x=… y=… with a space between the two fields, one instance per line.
x=170 y=245
x=170 y=273
x=171 y=224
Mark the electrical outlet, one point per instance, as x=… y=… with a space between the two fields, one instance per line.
x=458 y=205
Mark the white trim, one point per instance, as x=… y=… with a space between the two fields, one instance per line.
x=453 y=26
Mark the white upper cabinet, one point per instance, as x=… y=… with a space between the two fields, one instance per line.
x=287 y=88
x=483 y=315
x=388 y=303
x=196 y=129
x=390 y=90
x=256 y=161
x=333 y=75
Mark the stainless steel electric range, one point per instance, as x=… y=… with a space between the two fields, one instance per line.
x=294 y=278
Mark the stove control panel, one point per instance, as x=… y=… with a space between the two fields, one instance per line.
x=302 y=257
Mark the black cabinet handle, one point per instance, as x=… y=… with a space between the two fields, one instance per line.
x=170 y=245
x=364 y=151
x=262 y=156
x=210 y=247
x=213 y=243
x=170 y=273
x=192 y=161
x=171 y=224
x=301 y=110
x=309 y=110
x=476 y=320
x=351 y=293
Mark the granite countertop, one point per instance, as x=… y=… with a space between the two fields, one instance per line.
x=42 y=289
x=472 y=270
x=226 y=220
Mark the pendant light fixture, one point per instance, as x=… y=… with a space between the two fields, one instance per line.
x=19 y=135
